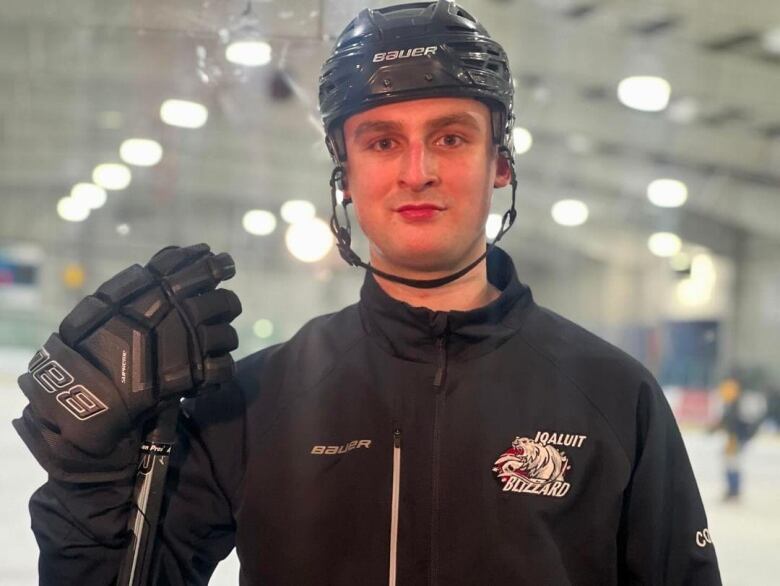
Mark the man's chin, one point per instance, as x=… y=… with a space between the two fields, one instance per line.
x=426 y=261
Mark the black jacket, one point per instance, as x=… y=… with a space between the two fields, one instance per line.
x=522 y=450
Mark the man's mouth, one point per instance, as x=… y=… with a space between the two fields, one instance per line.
x=419 y=211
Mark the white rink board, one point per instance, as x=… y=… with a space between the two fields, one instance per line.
x=745 y=533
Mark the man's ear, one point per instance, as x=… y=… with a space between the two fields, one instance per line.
x=503 y=172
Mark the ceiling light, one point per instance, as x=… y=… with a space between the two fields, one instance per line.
x=249 y=53
x=703 y=269
x=667 y=193
x=113 y=176
x=123 y=229
x=493 y=226
x=263 y=328
x=297 y=210
x=570 y=212
x=770 y=40
x=259 y=222
x=309 y=240
x=646 y=93
x=184 y=113
x=142 y=152
x=693 y=293
x=89 y=195
x=521 y=139
x=71 y=210
x=664 y=244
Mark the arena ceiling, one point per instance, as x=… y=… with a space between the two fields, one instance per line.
x=78 y=77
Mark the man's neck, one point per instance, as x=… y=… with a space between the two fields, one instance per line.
x=470 y=291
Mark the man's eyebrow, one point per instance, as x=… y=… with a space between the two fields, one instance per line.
x=376 y=126
x=463 y=118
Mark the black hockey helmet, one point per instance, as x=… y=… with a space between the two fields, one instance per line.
x=407 y=52
x=410 y=51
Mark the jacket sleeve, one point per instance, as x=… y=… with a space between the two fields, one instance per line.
x=81 y=529
x=664 y=537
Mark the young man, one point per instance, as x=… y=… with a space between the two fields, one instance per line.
x=443 y=430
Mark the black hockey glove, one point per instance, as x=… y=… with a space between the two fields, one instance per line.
x=148 y=336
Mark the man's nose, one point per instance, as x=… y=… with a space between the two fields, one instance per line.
x=418 y=168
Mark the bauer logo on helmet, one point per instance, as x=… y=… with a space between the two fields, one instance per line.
x=403 y=53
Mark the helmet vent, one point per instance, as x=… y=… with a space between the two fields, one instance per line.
x=459 y=28
x=463 y=14
x=482 y=63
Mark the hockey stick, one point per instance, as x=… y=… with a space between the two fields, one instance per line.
x=147 y=498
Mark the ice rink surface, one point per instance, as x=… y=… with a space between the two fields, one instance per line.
x=745 y=533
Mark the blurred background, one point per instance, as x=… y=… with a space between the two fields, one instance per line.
x=648 y=159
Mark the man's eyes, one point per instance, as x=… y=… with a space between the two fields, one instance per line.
x=450 y=140
x=382 y=144
x=445 y=140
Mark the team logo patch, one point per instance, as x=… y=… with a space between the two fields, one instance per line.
x=537 y=466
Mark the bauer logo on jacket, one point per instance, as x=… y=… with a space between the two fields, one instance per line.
x=537 y=466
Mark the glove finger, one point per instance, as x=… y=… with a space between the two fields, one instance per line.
x=149 y=308
x=221 y=305
x=217 y=339
x=172 y=258
x=85 y=317
x=218 y=369
x=173 y=356
x=201 y=276
x=125 y=285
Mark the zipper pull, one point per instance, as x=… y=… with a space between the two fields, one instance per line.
x=394 y=506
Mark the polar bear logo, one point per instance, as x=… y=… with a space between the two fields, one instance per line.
x=533 y=462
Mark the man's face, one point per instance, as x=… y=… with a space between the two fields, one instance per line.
x=421 y=174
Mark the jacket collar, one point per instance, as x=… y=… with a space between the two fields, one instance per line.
x=411 y=332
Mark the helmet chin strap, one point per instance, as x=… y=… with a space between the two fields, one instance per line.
x=343 y=234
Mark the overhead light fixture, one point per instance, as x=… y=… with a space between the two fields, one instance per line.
x=770 y=41
x=112 y=176
x=522 y=140
x=184 y=113
x=703 y=268
x=297 y=210
x=693 y=293
x=644 y=92
x=142 y=152
x=88 y=194
x=71 y=210
x=249 y=53
x=259 y=222
x=570 y=212
x=493 y=226
x=263 y=328
x=123 y=229
x=667 y=193
x=309 y=240
x=664 y=244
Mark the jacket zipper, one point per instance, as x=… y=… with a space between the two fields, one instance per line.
x=441 y=369
x=395 y=505
x=438 y=381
